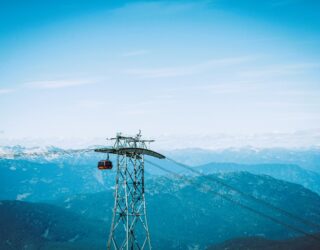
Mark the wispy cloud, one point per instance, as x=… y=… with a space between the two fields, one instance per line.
x=56 y=84
x=164 y=7
x=135 y=53
x=5 y=91
x=91 y=104
x=188 y=70
x=235 y=87
x=276 y=70
x=276 y=3
x=249 y=141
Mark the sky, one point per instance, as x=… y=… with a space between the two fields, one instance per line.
x=180 y=69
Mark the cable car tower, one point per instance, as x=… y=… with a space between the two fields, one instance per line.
x=129 y=227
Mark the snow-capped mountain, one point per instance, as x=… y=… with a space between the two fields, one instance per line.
x=308 y=158
x=48 y=172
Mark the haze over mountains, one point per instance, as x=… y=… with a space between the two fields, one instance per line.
x=295 y=140
x=61 y=201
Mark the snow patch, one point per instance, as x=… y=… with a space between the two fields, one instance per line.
x=84 y=211
x=33 y=181
x=74 y=238
x=45 y=234
x=21 y=197
x=68 y=199
x=47 y=181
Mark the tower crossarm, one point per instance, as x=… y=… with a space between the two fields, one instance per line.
x=131 y=152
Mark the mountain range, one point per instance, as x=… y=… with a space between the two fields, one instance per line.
x=54 y=200
x=288 y=172
x=260 y=243
x=306 y=158
x=32 y=226
x=186 y=208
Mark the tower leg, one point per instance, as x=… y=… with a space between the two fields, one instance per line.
x=129 y=227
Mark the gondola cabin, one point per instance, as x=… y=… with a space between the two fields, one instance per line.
x=104 y=164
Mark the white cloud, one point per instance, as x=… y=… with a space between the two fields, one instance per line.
x=5 y=91
x=188 y=70
x=91 y=103
x=56 y=84
x=294 y=139
x=135 y=53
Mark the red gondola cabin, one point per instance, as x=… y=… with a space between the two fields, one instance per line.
x=105 y=164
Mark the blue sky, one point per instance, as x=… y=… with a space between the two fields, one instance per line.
x=92 y=68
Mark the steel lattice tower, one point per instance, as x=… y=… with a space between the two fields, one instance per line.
x=129 y=227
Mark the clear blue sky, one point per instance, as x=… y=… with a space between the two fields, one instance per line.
x=91 y=68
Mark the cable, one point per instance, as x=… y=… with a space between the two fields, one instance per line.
x=250 y=196
x=297 y=230
x=211 y=178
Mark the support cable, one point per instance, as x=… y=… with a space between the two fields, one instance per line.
x=249 y=196
x=238 y=203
